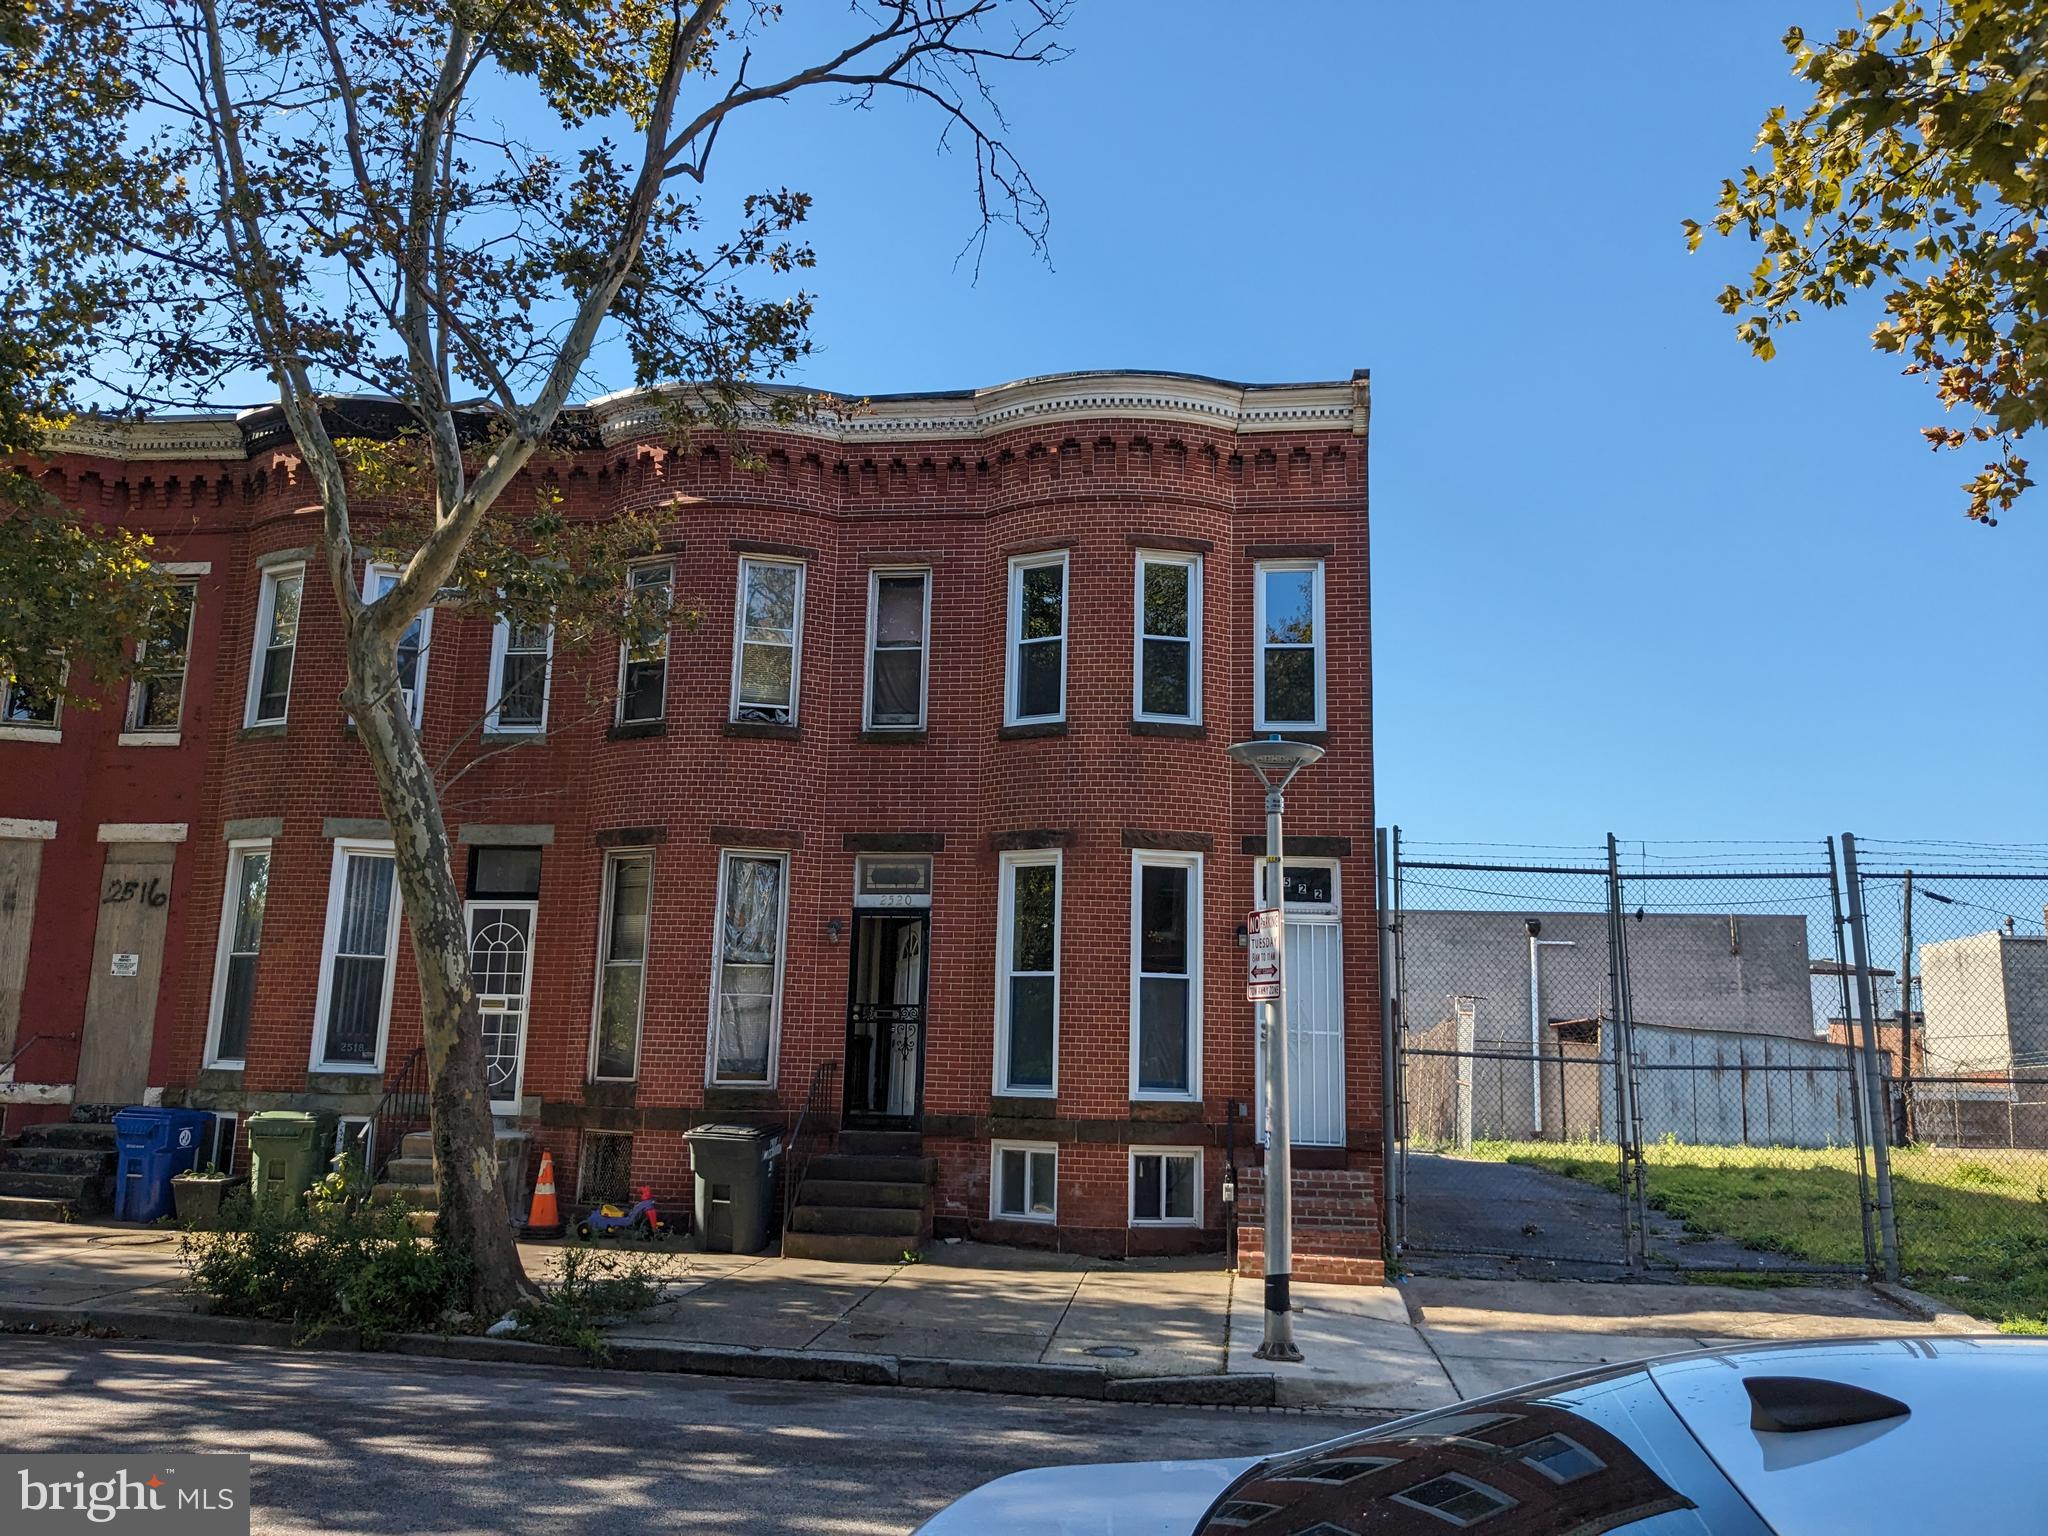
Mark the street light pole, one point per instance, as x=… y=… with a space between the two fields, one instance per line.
x=1276 y=762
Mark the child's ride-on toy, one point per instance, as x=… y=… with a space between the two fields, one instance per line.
x=642 y=1220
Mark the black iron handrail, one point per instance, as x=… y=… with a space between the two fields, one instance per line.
x=796 y=1154
x=403 y=1106
x=22 y=1049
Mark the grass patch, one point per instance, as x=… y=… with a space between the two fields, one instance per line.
x=1973 y=1224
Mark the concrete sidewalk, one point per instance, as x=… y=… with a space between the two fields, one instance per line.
x=1001 y=1319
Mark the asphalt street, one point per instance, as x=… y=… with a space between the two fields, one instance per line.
x=379 y=1443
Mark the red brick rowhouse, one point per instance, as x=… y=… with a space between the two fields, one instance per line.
x=921 y=813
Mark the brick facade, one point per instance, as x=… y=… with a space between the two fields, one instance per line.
x=1096 y=466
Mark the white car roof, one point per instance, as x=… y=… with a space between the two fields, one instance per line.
x=1968 y=1458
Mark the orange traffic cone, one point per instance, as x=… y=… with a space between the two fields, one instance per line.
x=542 y=1218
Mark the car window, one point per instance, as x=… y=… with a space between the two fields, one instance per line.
x=1602 y=1454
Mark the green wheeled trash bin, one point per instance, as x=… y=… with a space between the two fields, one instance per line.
x=734 y=1167
x=287 y=1151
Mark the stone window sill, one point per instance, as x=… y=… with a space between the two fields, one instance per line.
x=46 y=735
x=272 y=731
x=763 y=730
x=897 y=738
x=148 y=739
x=636 y=730
x=1187 y=730
x=1036 y=728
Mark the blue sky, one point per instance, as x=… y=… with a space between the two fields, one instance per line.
x=1626 y=577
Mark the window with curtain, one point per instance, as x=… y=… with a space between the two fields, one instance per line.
x=898 y=604
x=360 y=929
x=749 y=967
x=622 y=979
x=767 y=641
x=248 y=891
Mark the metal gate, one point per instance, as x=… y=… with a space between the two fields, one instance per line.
x=1602 y=1055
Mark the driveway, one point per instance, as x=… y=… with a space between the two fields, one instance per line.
x=1469 y=1217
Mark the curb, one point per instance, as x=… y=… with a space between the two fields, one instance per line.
x=1919 y=1304
x=1088 y=1382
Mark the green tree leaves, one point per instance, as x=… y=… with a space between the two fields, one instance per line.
x=1919 y=170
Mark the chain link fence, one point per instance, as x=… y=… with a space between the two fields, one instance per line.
x=1958 y=963
x=1715 y=1057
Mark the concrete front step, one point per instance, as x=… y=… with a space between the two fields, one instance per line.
x=854 y=1220
x=26 y=1208
x=66 y=1133
x=863 y=1192
x=421 y=1197
x=410 y=1170
x=847 y=1247
x=881 y=1143
x=880 y=1170
x=79 y=1189
x=33 y=1159
x=417 y=1144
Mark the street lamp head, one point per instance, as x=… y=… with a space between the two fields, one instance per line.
x=1275 y=760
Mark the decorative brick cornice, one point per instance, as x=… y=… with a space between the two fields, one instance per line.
x=201 y=435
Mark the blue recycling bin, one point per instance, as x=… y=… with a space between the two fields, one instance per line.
x=153 y=1144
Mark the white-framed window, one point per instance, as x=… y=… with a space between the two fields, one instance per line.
x=276 y=644
x=643 y=669
x=621 y=965
x=1455 y=1499
x=28 y=715
x=1027 y=974
x=1024 y=1181
x=767 y=641
x=412 y=645
x=1166 y=664
x=1166 y=1186
x=899 y=644
x=156 y=694
x=746 y=999
x=1288 y=668
x=1166 y=975
x=353 y=1012
x=241 y=940
x=1035 y=671
x=220 y=1142
x=522 y=655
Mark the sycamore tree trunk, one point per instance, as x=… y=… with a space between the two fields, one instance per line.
x=473 y=1218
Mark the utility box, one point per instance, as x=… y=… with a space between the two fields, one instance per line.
x=153 y=1144
x=288 y=1150
x=734 y=1166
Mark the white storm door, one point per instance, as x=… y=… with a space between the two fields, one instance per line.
x=1315 y=1007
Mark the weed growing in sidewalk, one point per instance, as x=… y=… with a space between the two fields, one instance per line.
x=591 y=1288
